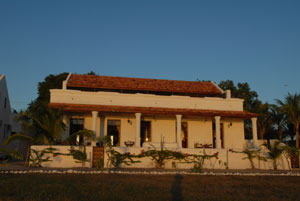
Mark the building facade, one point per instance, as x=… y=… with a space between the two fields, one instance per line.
x=144 y=112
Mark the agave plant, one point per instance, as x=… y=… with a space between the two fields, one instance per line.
x=292 y=153
x=11 y=154
x=37 y=157
x=251 y=154
x=274 y=152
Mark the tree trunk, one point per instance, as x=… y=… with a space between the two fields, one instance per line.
x=297 y=135
x=261 y=134
x=275 y=164
x=27 y=162
x=280 y=134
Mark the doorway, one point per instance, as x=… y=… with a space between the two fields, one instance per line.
x=145 y=132
x=76 y=124
x=113 y=131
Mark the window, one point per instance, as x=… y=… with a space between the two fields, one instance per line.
x=113 y=131
x=145 y=132
x=75 y=126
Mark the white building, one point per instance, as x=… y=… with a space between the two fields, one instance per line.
x=138 y=114
x=8 y=124
x=185 y=114
x=5 y=110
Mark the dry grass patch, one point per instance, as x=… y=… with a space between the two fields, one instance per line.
x=146 y=187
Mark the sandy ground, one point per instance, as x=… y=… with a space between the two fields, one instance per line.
x=21 y=166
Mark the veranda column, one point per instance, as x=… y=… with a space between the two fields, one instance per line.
x=178 y=133
x=254 y=130
x=218 y=132
x=94 y=123
x=138 y=129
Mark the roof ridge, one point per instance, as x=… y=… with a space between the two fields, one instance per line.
x=143 y=84
x=142 y=78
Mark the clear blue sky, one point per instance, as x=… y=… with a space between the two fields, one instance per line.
x=245 y=41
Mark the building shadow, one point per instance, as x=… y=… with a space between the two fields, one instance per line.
x=176 y=188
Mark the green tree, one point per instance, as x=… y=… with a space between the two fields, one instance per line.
x=243 y=91
x=278 y=119
x=91 y=73
x=50 y=82
x=263 y=120
x=291 y=106
x=251 y=102
x=45 y=129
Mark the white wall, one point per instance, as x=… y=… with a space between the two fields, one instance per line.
x=233 y=160
x=61 y=161
x=144 y=100
x=5 y=119
x=233 y=133
x=199 y=131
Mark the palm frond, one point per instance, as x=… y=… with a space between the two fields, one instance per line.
x=18 y=136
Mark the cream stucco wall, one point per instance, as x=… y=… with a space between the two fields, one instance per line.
x=144 y=100
x=226 y=158
x=163 y=128
x=233 y=133
x=64 y=161
x=199 y=131
x=160 y=127
x=232 y=160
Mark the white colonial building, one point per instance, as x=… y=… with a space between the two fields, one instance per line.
x=5 y=110
x=184 y=114
x=138 y=114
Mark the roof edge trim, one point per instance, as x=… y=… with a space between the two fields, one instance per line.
x=218 y=87
x=65 y=82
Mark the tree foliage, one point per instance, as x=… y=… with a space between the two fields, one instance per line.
x=251 y=104
x=243 y=91
x=40 y=129
x=291 y=106
x=50 y=82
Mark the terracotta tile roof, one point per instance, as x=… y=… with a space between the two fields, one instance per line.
x=143 y=84
x=151 y=110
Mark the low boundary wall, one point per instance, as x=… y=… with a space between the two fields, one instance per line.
x=232 y=160
x=64 y=161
